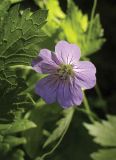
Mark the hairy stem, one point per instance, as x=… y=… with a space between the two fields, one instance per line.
x=98 y=91
x=91 y=115
x=57 y=144
x=92 y=17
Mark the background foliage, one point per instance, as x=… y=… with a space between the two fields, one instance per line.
x=31 y=129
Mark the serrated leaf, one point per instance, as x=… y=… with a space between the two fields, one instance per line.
x=11 y=100
x=18 y=126
x=75 y=29
x=20 y=39
x=5 y=4
x=95 y=40
x=62 y=125
x=8 y=143
x=40 y=117
x=76 y=145
x=13 y=141
x=54 y=18
x=17 y=155
x=104 y=154
x=104 y=133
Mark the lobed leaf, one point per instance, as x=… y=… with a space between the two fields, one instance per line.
x=5 y=4
x=75 y=28
x=44 y=122
x=104 y=134
x=12 y=141
x=104 y=154
x=62 y=125
x=54 y=18
x=18 y=154
x=18 y=126
x=20 y=40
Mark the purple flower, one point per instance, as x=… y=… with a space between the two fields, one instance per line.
x=66 y=75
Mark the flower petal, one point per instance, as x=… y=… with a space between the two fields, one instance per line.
x=85 y=74
x=45 y=62
x=47 y=87
x=69 y=94
x=67 y=53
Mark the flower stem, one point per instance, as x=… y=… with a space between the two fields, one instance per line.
x=55 y=147
x=92 y=17
x=101 y=99
x=92 y=116
x=57 y=144
x=98 y=92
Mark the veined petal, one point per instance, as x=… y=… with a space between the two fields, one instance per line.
x=85 y=74
x=69 y=94
x=47 y=88
x=76 y=92
x=45 y=62
x=67 y=53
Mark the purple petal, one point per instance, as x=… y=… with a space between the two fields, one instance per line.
x=67 y=53
x=45 y=62
x=85 y=74
x=45 y=54
x=47 y=87
x=35 y=65
x=69 y=94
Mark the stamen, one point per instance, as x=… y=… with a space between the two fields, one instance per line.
x=65 y=71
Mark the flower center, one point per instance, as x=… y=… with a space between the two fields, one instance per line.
x=65 y=71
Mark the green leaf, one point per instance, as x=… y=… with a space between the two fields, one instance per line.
x=5 y=4
x=18 y=126
x=42 y=136
x=75 y=29
x=44 y=116
x=20 y=39
x=62 y=126
x=54 y=18
x=95 y=40
x=17 y=155
x=105 y=154
x=104 y=134
x=11 y=102
x=8 y=143
x=15 y=1
x=76 y=144
x=8 y=139
x=13 y=141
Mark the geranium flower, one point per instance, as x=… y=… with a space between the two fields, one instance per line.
x=66 y=75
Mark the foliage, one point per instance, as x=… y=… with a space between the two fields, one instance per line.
x=20 y=38
x=5 y=4
x=8 y=137
x=54 y=18
x=76 y=29
x=104 y=134
x=45 y=137
x=30 y=129
x=19 y=42
x=62 y=124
